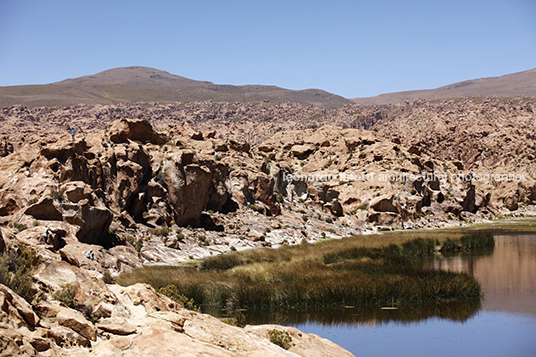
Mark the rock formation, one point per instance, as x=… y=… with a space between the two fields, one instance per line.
x=199 y=179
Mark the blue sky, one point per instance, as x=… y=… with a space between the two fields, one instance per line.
x=351 y=48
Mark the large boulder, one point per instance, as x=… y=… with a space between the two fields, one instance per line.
x=193 y=187
x=45 y=209
x=264 y=192
x=93 y=222
x=468 y=202
x=121 y=131
x=188 y=187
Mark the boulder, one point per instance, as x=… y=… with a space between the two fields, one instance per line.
x=68 y=337
x=334 y=207
x=384 y=204
x=384 y=218
x=159 y=342
x=77 y=322
x=302 y=151
x=468 y=203
x=44 y=209
x=121 y=131
x=10 y=347
x=239 y=146
x=77 y=190
x=264 y=192
x=93 y=222
x=117 y=326
x=172 y=242
x=17 y=310
x=266 y=147
x=193 y=188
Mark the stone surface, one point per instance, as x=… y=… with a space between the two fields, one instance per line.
x=117 y=327
x=15 y=309
x=77 y=322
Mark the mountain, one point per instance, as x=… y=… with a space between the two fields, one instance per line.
x=510 y=85
x=143 y=84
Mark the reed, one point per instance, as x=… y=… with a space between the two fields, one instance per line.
x=355 y=271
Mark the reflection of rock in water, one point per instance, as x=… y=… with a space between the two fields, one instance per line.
x=507 y=274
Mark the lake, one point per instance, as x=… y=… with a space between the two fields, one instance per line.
x=503 y=323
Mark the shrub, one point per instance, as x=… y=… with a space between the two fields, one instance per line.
x=66 y=294
x=172 y=292
x=15 y=271
x=20 y=227
x=281 y=338
x=363 y=206
x=131 y=239
x=108 y=278
x=32 y=201
x=239 y=320
x=161 y=232
x=254 y=207
x=57 y=193
x=180 y=236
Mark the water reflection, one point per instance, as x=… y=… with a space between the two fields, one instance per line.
x=506 y=273
x=369 y=316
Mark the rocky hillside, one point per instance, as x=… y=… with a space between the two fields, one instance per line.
x=507 y=86
x=133 y=84
x=189 y=193
x=496 y=131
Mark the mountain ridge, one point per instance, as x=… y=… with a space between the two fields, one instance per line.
x=143 y=84
x=508 y=85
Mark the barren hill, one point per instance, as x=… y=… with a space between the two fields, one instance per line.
x=510 y=85
x=142 y=84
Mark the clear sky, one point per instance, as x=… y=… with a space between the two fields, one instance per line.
x=350 y=48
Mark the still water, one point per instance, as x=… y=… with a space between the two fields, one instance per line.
x=502 y=324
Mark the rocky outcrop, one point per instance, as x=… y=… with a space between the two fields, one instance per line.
x=15 y=310
x=129 y=321
x=121 y=131
x=193 y=188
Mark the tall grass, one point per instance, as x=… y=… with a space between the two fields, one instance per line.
x=356 y=271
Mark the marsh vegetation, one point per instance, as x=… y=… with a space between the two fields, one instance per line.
x=355 y=271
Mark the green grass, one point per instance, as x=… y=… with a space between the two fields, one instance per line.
x=356 y=271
